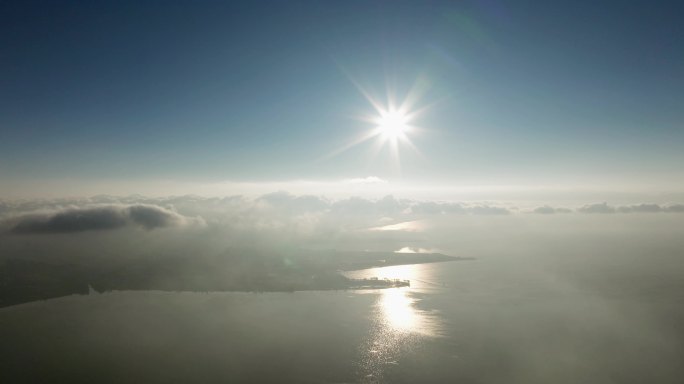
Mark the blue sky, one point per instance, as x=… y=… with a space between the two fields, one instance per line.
x=519 y=93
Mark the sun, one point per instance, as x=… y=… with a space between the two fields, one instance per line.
x=393 y=124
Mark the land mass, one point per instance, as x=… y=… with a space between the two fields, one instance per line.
x=24 y=280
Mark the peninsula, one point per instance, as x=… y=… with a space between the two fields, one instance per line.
x=24 y=280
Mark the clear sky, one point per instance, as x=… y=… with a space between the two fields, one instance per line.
x=513 y=93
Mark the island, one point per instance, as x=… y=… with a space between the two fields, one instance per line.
x=246 y=270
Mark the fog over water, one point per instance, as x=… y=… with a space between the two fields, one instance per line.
x=563 y=298
x=369 y=191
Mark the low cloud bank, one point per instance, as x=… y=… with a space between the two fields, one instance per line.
x=281 y=212
x=106 y=228
x=638 y=208
x=547 y=210
x=97 y=218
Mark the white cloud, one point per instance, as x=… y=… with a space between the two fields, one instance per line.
x=597 y=208
x=635 y=208
x=97 y=217
x=547 y=210
x=280 y=212
x=366 y=180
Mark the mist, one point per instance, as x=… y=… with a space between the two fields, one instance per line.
x=548 y=297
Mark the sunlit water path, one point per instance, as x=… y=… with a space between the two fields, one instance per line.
x=485 y=321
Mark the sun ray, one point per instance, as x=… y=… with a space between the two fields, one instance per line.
x=394 y=149
x=362 y=138
x=412 y=147
x=391 y=122
x=377 y=105
x=376 y=149
x=415 y=94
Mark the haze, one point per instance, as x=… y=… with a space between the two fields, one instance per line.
x=327 y=192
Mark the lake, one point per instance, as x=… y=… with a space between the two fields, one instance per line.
x=607 y=316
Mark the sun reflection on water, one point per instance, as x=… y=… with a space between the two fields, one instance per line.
x=397 y=310
x=399 y=325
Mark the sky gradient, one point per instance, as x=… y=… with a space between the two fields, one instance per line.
x=145 y=96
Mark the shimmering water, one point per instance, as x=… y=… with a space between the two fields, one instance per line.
x=599 y=317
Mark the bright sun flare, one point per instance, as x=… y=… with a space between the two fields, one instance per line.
x=392 y=124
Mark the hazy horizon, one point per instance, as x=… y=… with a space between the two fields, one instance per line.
x=374 y=191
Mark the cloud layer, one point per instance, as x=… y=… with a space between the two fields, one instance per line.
x=637 y=208
x=278 y=212
x=97 y=218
